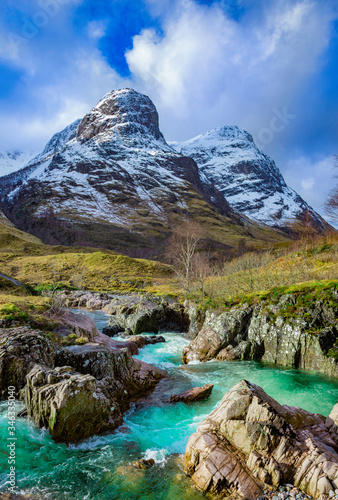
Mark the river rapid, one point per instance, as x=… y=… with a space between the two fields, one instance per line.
x=99 y=468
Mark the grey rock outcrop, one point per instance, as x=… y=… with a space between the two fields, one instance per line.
x=61 y=384
x=20 y=349
x=70 y=323
x=251 y=443
x=70 y=405
x=97 y=360
x=284 y=332
x=196 y=319
x=218 y=332
x=84 y=298
x=138 y=314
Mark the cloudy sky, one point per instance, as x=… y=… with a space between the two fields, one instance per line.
x=269 y=66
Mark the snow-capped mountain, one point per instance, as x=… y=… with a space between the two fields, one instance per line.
x=13 y=160
x=111 y=179
x=228 y=158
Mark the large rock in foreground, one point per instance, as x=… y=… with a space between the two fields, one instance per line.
x=72 y=406
x=251 y=443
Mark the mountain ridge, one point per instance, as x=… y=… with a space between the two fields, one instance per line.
x=228 y=158
x=113 y=177
x=111 y=180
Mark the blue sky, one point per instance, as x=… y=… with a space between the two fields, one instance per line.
x=267 y=66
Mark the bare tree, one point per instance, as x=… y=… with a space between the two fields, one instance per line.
x=182 y=250
x=201 y=270
x=331 y=203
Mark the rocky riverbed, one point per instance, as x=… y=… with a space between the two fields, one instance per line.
x=103 y=377
x=64 y=386
x=293 y=330
x=251 y=442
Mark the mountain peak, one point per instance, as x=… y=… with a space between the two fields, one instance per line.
x=250 y=181
x=220 y=135
x=125 y=113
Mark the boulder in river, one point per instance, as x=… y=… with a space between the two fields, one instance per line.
x=192 y=395
x=143 y=463
x=138 y=314
x=70 y=405
x=251 y=443
x=79 y=324
x=97 y=360
x=113 y=329
x=142 y=340
x=20 y=349
x=62 y=385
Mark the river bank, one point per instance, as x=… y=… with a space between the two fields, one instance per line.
x=98 y=468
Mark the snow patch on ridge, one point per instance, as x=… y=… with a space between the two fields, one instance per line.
x=228 y=158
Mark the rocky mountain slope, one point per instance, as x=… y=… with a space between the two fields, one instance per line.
x=228 y=159
x=112 y=180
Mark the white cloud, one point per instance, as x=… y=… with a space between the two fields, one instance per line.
x=96 y=29
x=307 y=184
x=85 y=78
x=312 y=178
x=207 y=70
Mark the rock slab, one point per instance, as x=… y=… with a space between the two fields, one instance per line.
x=191 y=395
x=251 y=443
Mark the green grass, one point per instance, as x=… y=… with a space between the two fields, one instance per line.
x=99 y=271
x=17 y=310
x=11 y=312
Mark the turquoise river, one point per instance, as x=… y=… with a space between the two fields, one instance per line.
x=99 y=468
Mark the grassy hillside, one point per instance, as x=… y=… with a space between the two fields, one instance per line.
x=306 y=261
x=99 y=271
x=12 y=239
x=311 y=262
x=27 y=259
